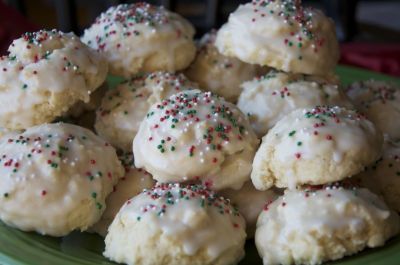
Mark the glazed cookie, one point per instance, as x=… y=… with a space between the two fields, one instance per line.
x=142 y=38
x=196 y=136
x=280 y=35
x=55 y=179
x=250 y=202
x=268 y=98
x=312 y=227
x=380 y=101
x=133 y=183
x=174 y=224
x=124 y=107
x=45 y=73
x=218 y=73
x=316 y=146
x=383 y=178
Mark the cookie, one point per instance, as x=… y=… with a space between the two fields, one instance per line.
x=316 y=146
x=176 y=224
x=218 y=73
x=55 y=179
x=196 y=136
x=131 y=184
x=380 y=101
x=282 y=35
x=45 y=73
x=250 y=202
x=141 y=37
x=383 y=177
x=312 y=227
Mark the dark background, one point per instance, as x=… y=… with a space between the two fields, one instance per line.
x=370 y=27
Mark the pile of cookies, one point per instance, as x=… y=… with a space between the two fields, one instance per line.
x=170 y=168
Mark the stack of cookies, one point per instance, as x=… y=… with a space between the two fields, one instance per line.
x=200 y=148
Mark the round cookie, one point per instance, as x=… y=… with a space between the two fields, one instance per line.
x=196 y=136
x=124 y=107
x=383 y=178
x=175 y=224
x=250 y=202
x=142 y=38
x=380 y=101
x=312 y=227
x=55 y=179
x=268 y=98
x=316 y=146
x=280 y=35
x=134 y=182
x=45 y=73
x=218 y=73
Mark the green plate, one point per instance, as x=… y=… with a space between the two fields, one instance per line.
x=20 y=248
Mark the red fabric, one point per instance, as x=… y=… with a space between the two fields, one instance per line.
x=383 y=58
x=12 y=25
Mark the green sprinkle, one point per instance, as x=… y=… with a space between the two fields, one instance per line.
x=292 y=133
x=94 y=195
x=6 y=195
x=299 y=143
x=99 y=205
x=138 y=218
